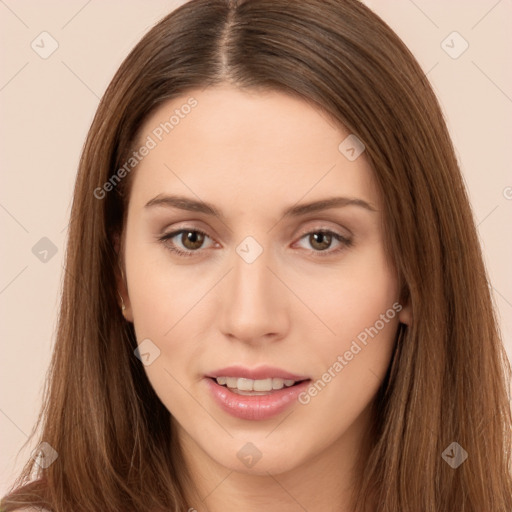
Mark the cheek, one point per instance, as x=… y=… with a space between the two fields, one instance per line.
x=167 y=309
x=360 y=307
x=357 y=294
x=161 y=292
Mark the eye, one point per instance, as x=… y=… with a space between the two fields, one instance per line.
x=191 y=240
x=321 y=240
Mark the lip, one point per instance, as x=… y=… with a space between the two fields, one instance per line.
x=261 y=372
x=255 y=407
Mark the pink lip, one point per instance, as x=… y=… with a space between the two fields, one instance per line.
x=262 y=372
x=255 y=407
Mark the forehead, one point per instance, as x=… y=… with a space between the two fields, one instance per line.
x=249 y=148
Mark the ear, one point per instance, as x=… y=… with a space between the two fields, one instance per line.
x=405 y=314
x=121 y=284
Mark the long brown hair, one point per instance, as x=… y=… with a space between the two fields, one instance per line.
x=449 y=374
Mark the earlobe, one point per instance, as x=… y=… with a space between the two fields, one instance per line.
x=124 y=301
x=405 y=314
x=121 y=286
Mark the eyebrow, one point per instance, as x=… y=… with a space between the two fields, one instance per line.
x=186 y=203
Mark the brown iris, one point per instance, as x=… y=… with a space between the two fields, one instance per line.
x=192 y=240
x=322 y=240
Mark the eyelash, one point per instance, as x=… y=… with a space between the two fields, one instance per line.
x=346 y=242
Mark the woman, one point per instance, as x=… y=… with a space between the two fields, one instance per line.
x=274 y=293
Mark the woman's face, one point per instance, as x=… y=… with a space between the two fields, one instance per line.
x=261 y=299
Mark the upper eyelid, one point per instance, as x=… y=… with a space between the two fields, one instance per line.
x=303 y=232
x=320 y=226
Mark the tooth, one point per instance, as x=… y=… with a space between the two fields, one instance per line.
x=249 y=393
x=277 y=383
x=245 y=384
x=231 y=382
x=258 y=385
x=262 y=385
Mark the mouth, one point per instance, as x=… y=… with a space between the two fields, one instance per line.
x=255 y=387
x=257 y=394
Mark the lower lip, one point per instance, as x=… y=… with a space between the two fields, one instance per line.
x=255 y=407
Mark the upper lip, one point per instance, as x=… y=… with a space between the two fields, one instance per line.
x=261 y=372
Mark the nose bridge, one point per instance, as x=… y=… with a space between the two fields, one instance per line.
x=251 y=278
x=254 y=305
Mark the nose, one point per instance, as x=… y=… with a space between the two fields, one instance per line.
x=254 y=302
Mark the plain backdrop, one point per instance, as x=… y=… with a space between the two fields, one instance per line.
x=47 y=105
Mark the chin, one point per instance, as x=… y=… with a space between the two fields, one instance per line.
x=259 y=456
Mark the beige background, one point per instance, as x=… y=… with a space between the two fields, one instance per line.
x=48 y=104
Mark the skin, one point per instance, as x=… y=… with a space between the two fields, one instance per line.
x=252 y=154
